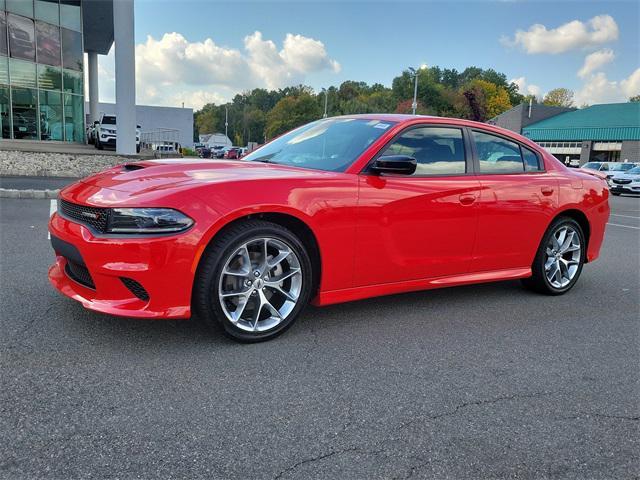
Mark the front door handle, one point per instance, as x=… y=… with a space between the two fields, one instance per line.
x=546 y=191
x=467 y=198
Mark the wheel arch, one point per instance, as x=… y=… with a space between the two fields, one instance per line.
x=580 y=217
x=291 y=222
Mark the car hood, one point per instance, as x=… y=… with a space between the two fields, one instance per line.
x=627 y=176
x=156 y=178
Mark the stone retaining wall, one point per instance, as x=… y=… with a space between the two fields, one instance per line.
x=55 y=164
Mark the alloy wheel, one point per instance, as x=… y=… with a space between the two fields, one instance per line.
x=260 y=284
x=563 y=256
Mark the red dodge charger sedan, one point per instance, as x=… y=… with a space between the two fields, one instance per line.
x=340 y=209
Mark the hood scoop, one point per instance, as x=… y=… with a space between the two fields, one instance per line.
x=130 y=167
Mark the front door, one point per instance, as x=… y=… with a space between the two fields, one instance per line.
x=423 y=225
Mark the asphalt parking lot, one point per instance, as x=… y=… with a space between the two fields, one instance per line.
x=488 y=381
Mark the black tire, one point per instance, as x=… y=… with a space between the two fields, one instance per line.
x=99 y=145
x=206 y=304
x=138 y=148
x=539 y=281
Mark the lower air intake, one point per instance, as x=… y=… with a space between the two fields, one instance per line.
x=79 y=273
x=135 y=288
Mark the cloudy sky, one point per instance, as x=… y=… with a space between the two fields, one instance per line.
x=206 y=51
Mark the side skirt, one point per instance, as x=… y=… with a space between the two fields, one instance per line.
x=357 y=293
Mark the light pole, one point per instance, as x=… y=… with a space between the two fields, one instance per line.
x=326 y=100
x=226 y=120
x=414 y=105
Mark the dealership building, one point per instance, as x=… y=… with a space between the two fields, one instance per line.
x=606 y=133
x=42 y=72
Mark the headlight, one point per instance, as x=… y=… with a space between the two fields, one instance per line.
x=147 y=220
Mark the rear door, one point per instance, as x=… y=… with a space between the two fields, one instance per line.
x=423 y=225
x=517 y=202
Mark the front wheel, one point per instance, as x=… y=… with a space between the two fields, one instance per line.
x=559 y=259
x=254 y=281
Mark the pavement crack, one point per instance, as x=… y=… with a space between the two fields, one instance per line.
x=465 y=405
x=324 y=456
x=603 y=415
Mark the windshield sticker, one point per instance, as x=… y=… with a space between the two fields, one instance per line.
x=383 y=126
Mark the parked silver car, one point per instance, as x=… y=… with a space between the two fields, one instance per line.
x=627 y=182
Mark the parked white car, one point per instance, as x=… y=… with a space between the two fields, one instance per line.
x=617 y=169
x=627 y=182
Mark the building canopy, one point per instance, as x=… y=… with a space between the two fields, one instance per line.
x=606 y=122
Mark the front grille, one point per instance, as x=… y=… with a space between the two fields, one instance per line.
x=94 y=217
x=621 y=181
x=135 y=288
x=79 y=273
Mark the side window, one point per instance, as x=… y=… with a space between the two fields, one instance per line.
x=531 y=161
x=497 y=155
x=437 y=150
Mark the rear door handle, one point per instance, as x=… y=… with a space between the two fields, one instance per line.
x=467 y=198
x=546 y=191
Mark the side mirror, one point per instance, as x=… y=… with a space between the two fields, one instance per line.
x=399 y=164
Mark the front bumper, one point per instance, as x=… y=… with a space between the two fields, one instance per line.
x=627 y=188
x=163 y=266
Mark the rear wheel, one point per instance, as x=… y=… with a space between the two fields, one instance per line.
x=253 y=281
x=559 y=259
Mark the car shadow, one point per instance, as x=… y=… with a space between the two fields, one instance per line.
x=345 y=316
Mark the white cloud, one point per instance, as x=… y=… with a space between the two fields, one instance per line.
x=599 y=89
x=569 y=36
x=527 y=89
x=595 y=60
x=173 y=70
x=631 y=86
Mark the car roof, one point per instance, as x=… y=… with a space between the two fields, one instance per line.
x=406 y=118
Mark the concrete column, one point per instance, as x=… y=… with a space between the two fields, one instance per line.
x=123 y=33
x=585 y=152
x=93 y=86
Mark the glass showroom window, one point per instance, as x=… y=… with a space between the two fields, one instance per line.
x=23 y=74
x=22 y=37
x=71 y=49
x=4 y=48
x=4 y=70
x=73 y=118
x=70 y=16
x=48 y=44
x=51 y=115
x=21 y=7
x=48 y=10
x=24 y=117
x=72 y=81
x=5 y=117
x=49 y=77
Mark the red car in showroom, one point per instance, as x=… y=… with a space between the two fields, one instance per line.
x=337 y=210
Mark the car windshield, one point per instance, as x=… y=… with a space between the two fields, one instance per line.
x=592 y=165
x=634 y=171
x=106 y=120
x=331 y=144
x=621 y=167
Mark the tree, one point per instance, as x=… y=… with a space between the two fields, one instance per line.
x=559 y=97
x=291 y=112
x=635 y=98
x=206 y=119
